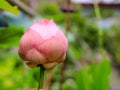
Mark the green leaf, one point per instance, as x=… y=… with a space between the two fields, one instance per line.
x=102 y=76
x=10 y=36
x=6 y=6
x=94 y=77
x=84 y=79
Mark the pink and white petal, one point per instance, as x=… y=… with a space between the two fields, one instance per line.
x=45 y=28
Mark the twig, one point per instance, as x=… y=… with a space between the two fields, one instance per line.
x=67 y=28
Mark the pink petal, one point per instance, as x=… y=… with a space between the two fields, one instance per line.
x=35 y=57
x=61 y=37
x=29 y=40
x=52 y=49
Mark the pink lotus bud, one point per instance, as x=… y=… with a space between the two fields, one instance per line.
x=43 y=43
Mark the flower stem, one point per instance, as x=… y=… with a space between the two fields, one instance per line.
x=100 y=32
x=41 y=78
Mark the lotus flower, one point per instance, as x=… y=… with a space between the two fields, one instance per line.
x=43 y=43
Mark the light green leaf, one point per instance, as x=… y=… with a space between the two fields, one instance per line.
x=6 y=6
x=84 y=79
x=102 y=76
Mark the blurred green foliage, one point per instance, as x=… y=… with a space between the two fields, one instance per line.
x=48 y=9
x=112 y=44
x=105 y=13
x=83 y=43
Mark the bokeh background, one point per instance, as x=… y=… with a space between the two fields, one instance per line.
x=93 y=31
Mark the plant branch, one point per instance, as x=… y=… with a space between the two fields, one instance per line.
x=24 y=7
